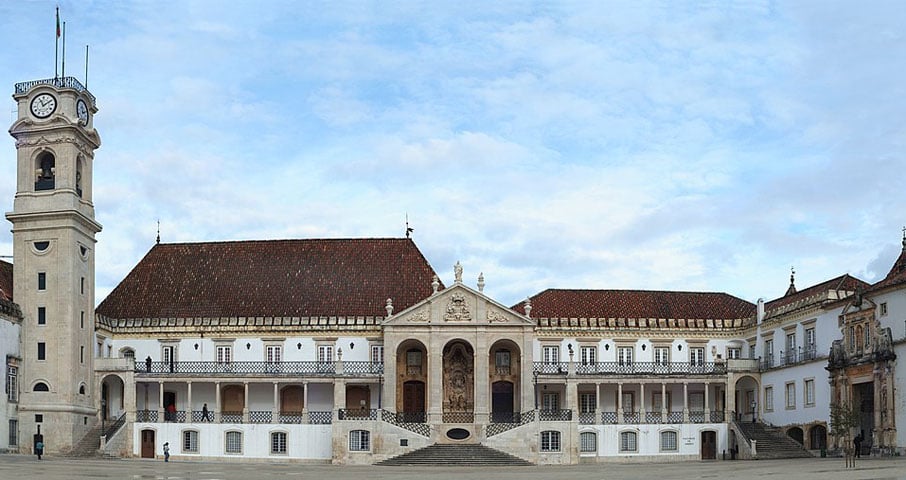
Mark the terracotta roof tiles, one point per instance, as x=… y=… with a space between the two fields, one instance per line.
x=274 y=278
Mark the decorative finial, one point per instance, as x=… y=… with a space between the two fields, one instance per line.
x=389 y=307
x=409 y=229
x=158 y=231
x=457 y=272
x=792 y=289
x=435 y=284
x=481 y=282
x=904 y=238
x=528 y=307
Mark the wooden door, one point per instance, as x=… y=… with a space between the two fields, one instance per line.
x=709 y=445
x=147 y=443
x=502 y=402
x=414 y=399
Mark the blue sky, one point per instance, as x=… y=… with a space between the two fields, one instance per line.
x=704 y=146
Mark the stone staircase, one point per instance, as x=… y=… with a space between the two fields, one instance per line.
x=89 y=445
x=772 y=443
x=458 y=455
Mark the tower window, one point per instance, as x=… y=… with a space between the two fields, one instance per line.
x=42 y=281
x=82 y=285
x=42 y=315
x=41 y=352
x=41 y=246
x=78 y=177
x=44 y=174
x=40 y=387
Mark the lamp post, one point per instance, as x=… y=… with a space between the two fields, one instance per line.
x=753 y=411
x=535 y=375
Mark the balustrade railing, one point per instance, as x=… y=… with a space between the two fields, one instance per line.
x=146 y=416
x=519 y=420
x=550 y=368
x=357 y=414
x=230 y=417
x=291 y=417
x=458 y=417
x=648 y=368
x=260 y=416
x=631 y=417
x=674 y=417
x=320 y=418
x=502 y=369
x=654 y=417
x=506 y=417
x=697 y=416
x=609 y=418
x=280 y=369
x=420 y=428
x=587 y=418
x=717 y=416
x=555 y=415
x=61 y=82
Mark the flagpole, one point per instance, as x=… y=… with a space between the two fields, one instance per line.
x=56 y=50
x=86 y=66
x=63 y=73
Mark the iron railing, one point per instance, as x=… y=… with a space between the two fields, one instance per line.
x=789 y=358
x=651 y=368
x=60 y=82
x=270 y=369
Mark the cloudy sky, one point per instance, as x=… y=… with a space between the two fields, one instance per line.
x=707 y=146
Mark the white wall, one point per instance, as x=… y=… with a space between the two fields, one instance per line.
x=304 y=442
x=9 y=346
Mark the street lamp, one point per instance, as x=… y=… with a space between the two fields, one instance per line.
x=753 y=411
x=535 y=375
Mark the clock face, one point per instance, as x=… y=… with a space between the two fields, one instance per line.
x=43 y=105
x=82 y=111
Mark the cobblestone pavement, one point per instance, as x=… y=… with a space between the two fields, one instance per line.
x=21 y=467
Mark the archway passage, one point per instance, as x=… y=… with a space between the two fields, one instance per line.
x=413 y=402
x=709 y=445
x=112 y=398
x=147 y=443
x=817 y=437
x=502 y=402
x=796 y=434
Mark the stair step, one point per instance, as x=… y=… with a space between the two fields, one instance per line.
x=462 y=455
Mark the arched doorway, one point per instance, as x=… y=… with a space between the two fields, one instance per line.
x=817 y=437
x=459 y=382
x=112 y=398
x=796 y=434
x=709 y=445
x=502 y=402
x=148 y=443
x=412 y=378
x=746 y=399
x=504 y=380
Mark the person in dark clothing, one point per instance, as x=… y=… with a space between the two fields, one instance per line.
x=148 y=364
x=39 y=449
x=857 y=443
x=204 y=413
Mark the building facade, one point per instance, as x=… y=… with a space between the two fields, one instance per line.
x=353 y=351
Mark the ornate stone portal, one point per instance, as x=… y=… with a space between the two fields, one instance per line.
x=459 y=379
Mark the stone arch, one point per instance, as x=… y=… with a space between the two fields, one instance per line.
x=504 y=380
x=45 y=170
x=817 y=437
x=113 y=397
x=458 y=377
x=747 y=399
x=796 y=434
x=412 y=380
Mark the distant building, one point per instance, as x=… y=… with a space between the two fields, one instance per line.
x=353 y=351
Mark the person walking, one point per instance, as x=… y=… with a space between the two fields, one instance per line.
x=857 y=443
x=39 y=449
x=204 y=413
x=166 y=451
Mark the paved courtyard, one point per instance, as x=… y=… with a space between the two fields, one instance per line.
x=20 y=467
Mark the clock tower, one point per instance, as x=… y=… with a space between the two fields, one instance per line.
x=53 y=256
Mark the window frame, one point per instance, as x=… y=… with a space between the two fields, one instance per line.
x=13 y=439
x=697 y=356
x=809 y=392
x=587 y=440
x=768 y=398
x=42 y=281
x=279 y=442
x=627 y=437
x=625 y=355
x=12 y=383
x=237 y=438
x=790 y=395
x=190 y=441
x=665 y=435
x=588 y=354
x=224 y=354
x=661 y=355
x=550 y=441
x=550 y=354
x=359 y=440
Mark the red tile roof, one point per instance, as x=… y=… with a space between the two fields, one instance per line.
x=555 y=303
x=279 y=278
x=842 y=283
x=6 y=281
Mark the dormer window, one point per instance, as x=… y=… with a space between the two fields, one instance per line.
x=44 y=174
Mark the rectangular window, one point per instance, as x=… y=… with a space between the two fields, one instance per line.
x=233 y=442
x=82 y=354
x=657 y=401
x=790 y=395
x=502 y=362
x=278 y=443
x=791 y=347
x=12 y=383
x=734 y=353
x=769 y=399
x=769 y=352
x=42 y=281
x=587 y=402
x=13 y=433
x=224 y=354
x=624 y=355
x=696 y=401
x=697 y=355
x=550 y=401
x=588 y=442
x=884 y=309
x=550 y=354
x=550 y=441
x=588 y=355
x=82 y=285
x=41 y=352
x=377 y=354
x=810 y=347
x=414 y=362
x=81 y=319
x=662 y=355
x=325 y=353
x=359 y=441
x=274 y=353
x=628 y=442
x=752 y=351
x=42 y=315
x=168 y=354
x=190 y=441
x=668 y=441
x=810 y=392
x=628 y=402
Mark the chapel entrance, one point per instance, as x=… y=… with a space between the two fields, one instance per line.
x=864 y=397
x=413 y=402
x=502 y=402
